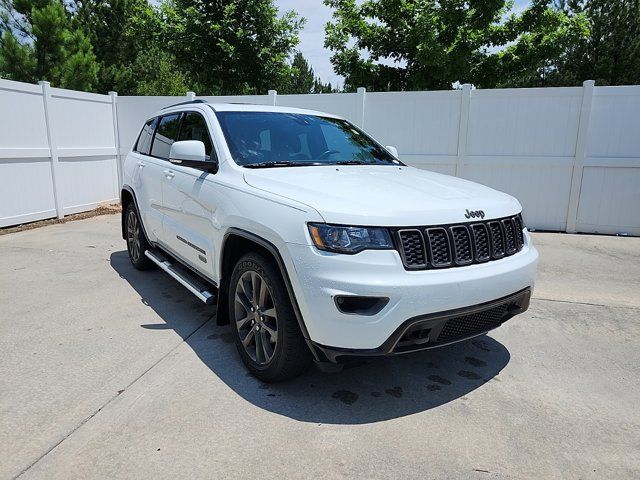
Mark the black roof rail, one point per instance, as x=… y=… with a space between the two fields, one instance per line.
x=188 y=102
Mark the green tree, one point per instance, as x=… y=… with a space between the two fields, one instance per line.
x=537 y=42
x=157 y=75
x=320 y=87
x=39 y=43
x=430 y=44
x=123 y=32
x=232 y=46
x=301 y=77
x=610 y=53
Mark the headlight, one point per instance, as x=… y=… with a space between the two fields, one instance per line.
x=340 y=239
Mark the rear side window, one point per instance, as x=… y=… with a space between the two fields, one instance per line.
x=194 y=127
x=166 y=134
x=144 y=140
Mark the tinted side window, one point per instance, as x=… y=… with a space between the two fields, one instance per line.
x=166 y=134
x=194 y=127
x=144 y=140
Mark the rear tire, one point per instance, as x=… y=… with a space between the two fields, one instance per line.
x=265 y=326
x=136 y=240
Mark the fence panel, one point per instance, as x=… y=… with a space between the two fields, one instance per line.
x=424 y=127
x=24 y=156
x=570 y=155
x=82 y=125
x=57 y=152
x=523 y=142
x=343 y=104
x=610 y=192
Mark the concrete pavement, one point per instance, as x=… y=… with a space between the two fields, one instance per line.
x=108 y=372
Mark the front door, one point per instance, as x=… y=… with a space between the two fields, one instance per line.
x=189 y=203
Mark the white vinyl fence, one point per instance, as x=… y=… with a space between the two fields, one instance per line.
x=58 y=152
x=570 y=155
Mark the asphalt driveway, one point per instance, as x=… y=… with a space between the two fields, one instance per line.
x=107 y=372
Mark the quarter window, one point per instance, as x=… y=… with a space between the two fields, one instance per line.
x=166 y=134
x=144 y=140
x=194 y=127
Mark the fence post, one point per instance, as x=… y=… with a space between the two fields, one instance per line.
x=362 y=94
x=53 y=148
x=581 y=146
x=116 y=135
x=463 y=127
x=273 y=97
x=191 y=96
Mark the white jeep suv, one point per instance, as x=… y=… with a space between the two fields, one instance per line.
x=316 y=242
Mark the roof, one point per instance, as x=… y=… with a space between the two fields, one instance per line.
x=247 y=107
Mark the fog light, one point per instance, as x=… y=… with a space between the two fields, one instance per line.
x=356 y=305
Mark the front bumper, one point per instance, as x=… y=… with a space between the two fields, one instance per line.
x=319 y=277
x=436 y=330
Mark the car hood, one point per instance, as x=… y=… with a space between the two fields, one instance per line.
x=383 y=195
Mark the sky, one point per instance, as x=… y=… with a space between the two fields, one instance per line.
x=312 y=36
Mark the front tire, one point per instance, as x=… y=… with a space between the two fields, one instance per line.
x=266 y=329
x=136 y=240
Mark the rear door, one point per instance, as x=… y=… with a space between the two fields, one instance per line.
x=147 y=181
x=155 y=172
x=190 y=203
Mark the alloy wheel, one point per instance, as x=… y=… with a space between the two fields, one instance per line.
x=133 y=235
x=255 y=317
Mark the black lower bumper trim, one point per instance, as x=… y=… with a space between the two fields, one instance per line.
x=438 y=329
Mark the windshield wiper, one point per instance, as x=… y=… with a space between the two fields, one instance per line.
x=280 y=163
x=350 y=162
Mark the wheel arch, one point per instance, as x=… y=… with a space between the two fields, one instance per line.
x=237 y=242
x=128 y=196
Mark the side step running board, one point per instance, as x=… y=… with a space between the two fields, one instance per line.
x=183 y=277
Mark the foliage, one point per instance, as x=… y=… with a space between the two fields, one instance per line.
x=430 y=44
x=232 y=47
x=134 y=47
x=536 y=41
x=301 y=78
x=123 y=32
x=156 y=72
x=610 y=54
x=165 y=47
x=39 y=42
x=320 y=87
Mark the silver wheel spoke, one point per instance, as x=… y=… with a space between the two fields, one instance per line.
x=241 y=298
x=242 y=322
x=270 y=312
x=272 y=333
x=262 y=297
x=260 y=357
x=248 y=338
x=248 y=294
x=255 y=287
x=266 y=345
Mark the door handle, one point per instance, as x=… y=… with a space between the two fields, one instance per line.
x=169 y=174
x=141 y=164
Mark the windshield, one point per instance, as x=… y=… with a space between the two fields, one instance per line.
x=265 y=139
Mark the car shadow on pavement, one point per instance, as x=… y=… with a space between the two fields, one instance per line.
x=364 y=392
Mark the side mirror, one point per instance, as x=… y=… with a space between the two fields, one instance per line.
x=191 y=153
x=392 y=150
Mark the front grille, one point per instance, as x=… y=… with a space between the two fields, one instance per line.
x=462 y=245
x=439 y=247
x=481 y=241
x=458 y=245
x=412 y=248
x=474 y=324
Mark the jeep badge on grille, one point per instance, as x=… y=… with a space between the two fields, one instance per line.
x=474 y=214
